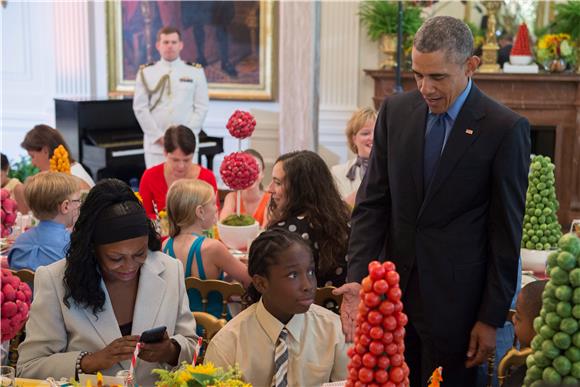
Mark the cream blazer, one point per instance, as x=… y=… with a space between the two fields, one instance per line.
x=55 y=334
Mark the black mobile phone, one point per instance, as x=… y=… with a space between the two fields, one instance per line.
x=153 y=335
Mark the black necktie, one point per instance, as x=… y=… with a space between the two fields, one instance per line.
x=433 y=144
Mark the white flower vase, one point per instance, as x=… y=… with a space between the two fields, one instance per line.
x=534 y=260
x=237 y=237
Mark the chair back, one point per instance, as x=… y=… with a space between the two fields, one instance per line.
x=226 y=289
x=513 y=358
x=325 y=298
x=210 y=326
x=491 y=361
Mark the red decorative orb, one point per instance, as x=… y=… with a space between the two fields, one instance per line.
x=241 y=124
x=16 y=299
x=239 y=170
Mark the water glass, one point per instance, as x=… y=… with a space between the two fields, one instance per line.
x=125 y=375
x=7 y=376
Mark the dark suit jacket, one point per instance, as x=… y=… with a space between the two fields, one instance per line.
x=464 y=233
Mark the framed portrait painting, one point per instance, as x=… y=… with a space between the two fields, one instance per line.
x=232 y=40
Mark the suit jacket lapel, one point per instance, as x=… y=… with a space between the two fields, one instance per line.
x=105 y=323
x=149 y=296
x=458 y=142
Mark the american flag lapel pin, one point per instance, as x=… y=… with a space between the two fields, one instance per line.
x=469 y=131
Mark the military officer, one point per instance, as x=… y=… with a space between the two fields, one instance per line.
x=168 y=92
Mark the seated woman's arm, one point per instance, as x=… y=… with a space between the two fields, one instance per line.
x=229 y=205
x=219 y=254
x=42 y=353
x=145 y=190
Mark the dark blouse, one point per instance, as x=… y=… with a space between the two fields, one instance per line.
x=335 y=276
x=126 y=329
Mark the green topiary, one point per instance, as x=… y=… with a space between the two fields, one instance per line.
x=541 y=228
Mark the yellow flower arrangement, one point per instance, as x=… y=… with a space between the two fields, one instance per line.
x=201 y=375
x=555 y=47
x=59 y=162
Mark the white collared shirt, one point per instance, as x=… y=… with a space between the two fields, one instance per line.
x=316 y=346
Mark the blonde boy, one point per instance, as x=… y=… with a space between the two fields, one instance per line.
x=55 y=200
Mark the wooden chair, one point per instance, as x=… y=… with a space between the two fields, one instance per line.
x=210 y=326
x=325 y=298
x=226 y=289
x=512 y=359
x=491 y=361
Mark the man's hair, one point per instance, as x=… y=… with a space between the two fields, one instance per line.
x=167 y=31
x=532 y=296
x=445 y=33
x=179 y=137
x=45 y=191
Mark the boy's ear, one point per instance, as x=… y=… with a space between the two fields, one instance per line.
x=260 y=283
x=63 y=208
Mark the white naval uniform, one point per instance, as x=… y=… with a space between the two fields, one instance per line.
x=184 y=101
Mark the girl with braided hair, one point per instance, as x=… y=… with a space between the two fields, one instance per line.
x=282 y=338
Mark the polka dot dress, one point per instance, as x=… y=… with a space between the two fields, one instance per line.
x=335 y=276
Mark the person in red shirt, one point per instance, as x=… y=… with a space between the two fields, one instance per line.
x=179 y=146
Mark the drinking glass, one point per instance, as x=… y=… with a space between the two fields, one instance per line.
x=7 y=377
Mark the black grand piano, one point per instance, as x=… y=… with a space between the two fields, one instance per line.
x=104 y=136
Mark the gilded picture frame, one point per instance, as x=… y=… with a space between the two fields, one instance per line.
x=235 y=39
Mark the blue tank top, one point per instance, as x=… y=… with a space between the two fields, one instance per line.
x=214 y=299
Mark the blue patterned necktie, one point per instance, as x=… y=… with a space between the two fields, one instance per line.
x=434 y=139
x=280 y=378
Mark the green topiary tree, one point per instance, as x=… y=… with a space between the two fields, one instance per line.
x=556 y=347
x=541 y=227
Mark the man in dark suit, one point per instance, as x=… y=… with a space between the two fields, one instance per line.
x=443 y=198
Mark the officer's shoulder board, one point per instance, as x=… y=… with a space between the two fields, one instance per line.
x=146 y=65
x=196 y=65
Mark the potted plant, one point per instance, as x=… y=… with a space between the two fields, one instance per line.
x=380 y=19
x=567 y=20
x=556 y=51
x=239 y=171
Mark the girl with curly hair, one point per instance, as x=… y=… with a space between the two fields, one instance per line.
x=89 y=309
x=305 y=200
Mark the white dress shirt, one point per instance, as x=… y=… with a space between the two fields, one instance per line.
x=316 y=346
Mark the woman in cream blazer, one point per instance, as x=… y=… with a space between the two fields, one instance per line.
x=359 y=134
x=62 y=340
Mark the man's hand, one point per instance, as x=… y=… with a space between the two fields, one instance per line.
x=348 y=308
x=481 y=344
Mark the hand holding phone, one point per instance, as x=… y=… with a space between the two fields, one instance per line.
x=153 y=335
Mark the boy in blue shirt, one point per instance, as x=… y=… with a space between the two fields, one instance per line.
x=54 y=199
